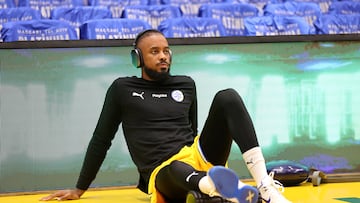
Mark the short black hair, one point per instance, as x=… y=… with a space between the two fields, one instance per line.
x=144 y=34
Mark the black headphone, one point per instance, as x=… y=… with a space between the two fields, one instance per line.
x=136 y=55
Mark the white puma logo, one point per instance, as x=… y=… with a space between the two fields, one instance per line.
x=250 y=162
x=192 y=174
x=141 y=95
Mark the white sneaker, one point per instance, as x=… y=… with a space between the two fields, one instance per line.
x=270 y=190
x=227 y=185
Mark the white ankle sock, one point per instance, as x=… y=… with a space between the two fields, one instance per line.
x=255 y=162
x=206 y=185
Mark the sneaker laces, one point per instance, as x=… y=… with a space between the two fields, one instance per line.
x=279 y=186
x=271 y=190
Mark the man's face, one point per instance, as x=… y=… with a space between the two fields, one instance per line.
x=156 y=54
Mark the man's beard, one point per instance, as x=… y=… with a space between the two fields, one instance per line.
x=157 y=76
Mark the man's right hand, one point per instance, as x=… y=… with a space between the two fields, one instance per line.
x=64 y=195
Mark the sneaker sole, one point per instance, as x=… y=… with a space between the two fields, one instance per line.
x=226 y=182
x=198 y=197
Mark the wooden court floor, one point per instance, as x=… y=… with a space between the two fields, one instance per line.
x=304 y=193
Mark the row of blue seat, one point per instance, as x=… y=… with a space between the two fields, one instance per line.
x=97 y=29
x=188 y=8
x=231 y=16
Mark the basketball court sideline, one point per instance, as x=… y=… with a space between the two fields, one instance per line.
x=304 y=193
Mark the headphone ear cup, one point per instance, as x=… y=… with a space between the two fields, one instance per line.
x=170 y=55
x=136 y=58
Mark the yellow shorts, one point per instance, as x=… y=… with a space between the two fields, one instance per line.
x=189 y=154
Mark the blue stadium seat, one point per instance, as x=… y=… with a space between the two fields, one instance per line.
x=309 y=10
x=38 y=30
x=231 y=15
x=192 y=27
x=18 y=14
x=118 y=28
x=258 y=3
x=7 y=4
x=117 y=6
x=76 y=16
x=277 y=25
x=189 y=8
x=155 y=2
x=338 y=24
x=45 y=6
x=152 y=14
x=323 y=4
x=225 y=1
x=345 y=7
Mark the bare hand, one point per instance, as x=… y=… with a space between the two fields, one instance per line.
x=64 y=195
